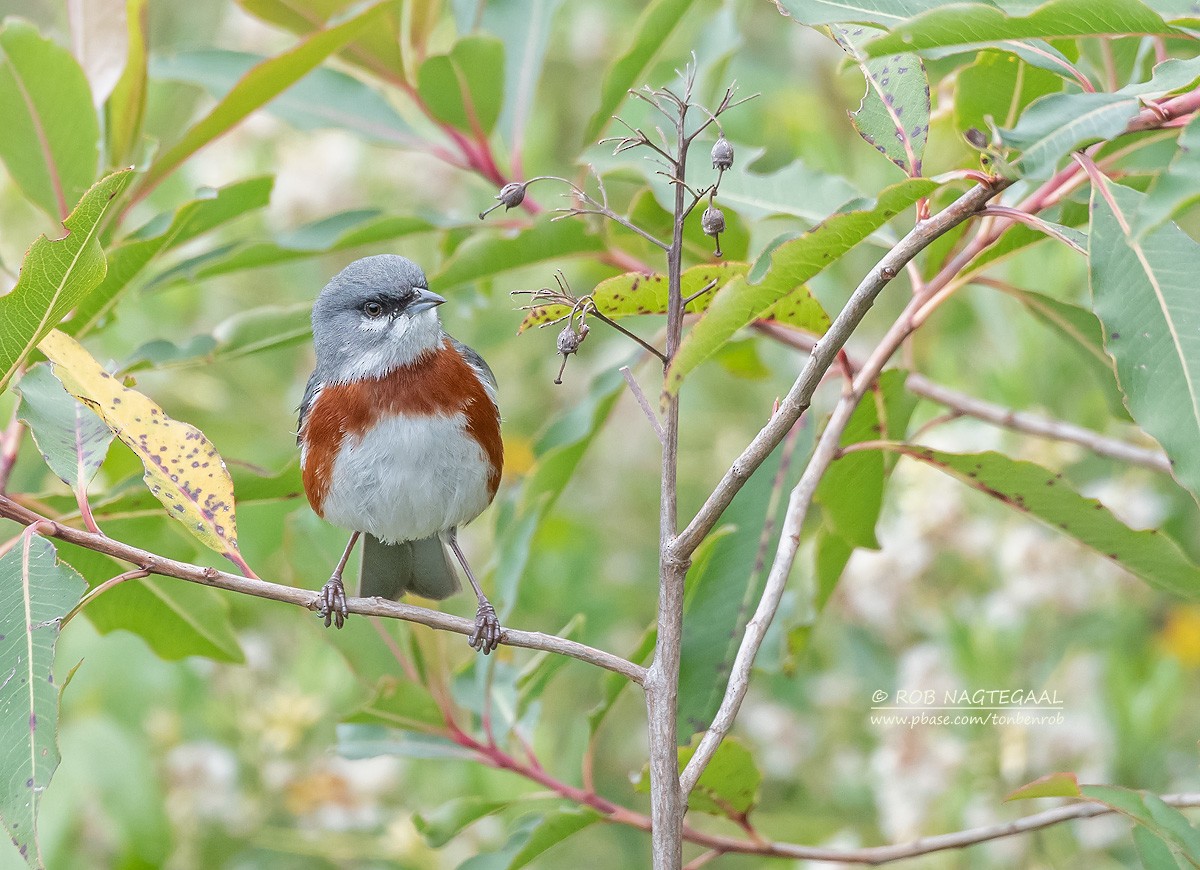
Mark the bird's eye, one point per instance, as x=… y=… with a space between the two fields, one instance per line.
x=372 y=309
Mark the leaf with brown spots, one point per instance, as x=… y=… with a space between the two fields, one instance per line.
x=1046 y=496
x=894 y=113
x=183 y=469
x=636 y=293
x=36 y=592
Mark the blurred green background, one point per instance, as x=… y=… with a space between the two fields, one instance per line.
x=203 y=763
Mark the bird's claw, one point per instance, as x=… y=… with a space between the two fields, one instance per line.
x=487 y=634
x=331 y=603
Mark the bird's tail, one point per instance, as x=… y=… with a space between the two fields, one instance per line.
x=422 y=567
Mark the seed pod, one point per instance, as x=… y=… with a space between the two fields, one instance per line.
x=712 y=221
x=722 y=153
x=510 y=196
x=568 y=343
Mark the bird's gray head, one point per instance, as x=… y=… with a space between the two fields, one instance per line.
x=376 y=315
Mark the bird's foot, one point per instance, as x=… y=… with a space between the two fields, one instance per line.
x=331 y=603
x=487 y=634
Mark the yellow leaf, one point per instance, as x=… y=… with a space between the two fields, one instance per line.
x=183 y=469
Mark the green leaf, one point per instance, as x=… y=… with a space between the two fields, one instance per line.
x=542 y=667
x=1150 y=811
x=882 y=12
x=615 y=684
x=488 y=254
x=851 y=491
x=729 y=785
x=439 y=826
x=1044 y=495
x=996 y=88
x=1083 y=331
x=1036 y=53
x=755 y=196
x=1153 y=852
x=525 y=27
x=376 y=49
x=401 y=704
x=558 y=454
x=38 y=591
x=127 y=103
x=893 y=115
x=128 y=260
x=1059 y=123
x=72 y=439
x=636 y=293
x=1050 y=785
x=57 y=275
x=465 y=88
x=50 y=138
x=730 y=782
x=175 y=618
x=723 y=586
x=268 y=327
x=792 y=264
x=958 y=23
x=262 y=84
x=324 y=98
x=338 y=232
x=1177 y=187
x=550 y=831
x=650 y=32
x=1147 y=810
x=1143 y=292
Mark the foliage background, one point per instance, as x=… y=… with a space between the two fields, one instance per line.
x=211 y=763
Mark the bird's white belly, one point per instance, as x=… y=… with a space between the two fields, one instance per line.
x=408 y=478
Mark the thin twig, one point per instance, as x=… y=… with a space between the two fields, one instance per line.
x=10 y=446
x=800 y=395
x=1035 y=222
x=827 y=445
x=308 y=599
x=963 y=404
x=595 y=312
x=636 y=389
x=136 y=574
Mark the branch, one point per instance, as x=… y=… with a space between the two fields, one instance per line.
x=10 y=446
x=826 y=449
x=205 y=576
x=967 y=405
x=636 y=389
x=718 y=844
x=797 y=401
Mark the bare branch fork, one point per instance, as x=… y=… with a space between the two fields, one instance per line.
x=821 y=358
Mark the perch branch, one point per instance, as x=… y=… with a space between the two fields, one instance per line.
x=306 y=598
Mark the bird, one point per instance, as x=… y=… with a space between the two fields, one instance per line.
x=399 y=437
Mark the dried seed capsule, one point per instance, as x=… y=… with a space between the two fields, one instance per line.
x=570 y=339
x=722 y=153
x=712 y=221
x=510 y=196
x=568 y=343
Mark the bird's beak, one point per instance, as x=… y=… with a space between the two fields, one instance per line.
x=426 y=299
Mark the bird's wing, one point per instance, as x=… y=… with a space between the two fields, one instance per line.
x=310 y=396
x=475 y=361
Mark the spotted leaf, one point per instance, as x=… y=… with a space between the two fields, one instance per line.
x=638 y=293
x=36 y=592
x=183 y=469
x=894 y=113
